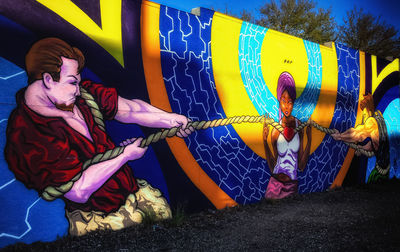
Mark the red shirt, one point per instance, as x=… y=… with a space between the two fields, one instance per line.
x=46 y=151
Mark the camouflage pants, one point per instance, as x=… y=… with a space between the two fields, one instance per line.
x=147 y=200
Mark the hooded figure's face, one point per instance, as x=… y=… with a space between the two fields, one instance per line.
x=286 y=104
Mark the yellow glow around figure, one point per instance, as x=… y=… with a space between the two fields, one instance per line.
x=283 y=53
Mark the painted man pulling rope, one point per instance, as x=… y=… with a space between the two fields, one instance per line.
x=370 y=137
x=57 y=127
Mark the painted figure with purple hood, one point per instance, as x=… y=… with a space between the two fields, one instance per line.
x=287 y=155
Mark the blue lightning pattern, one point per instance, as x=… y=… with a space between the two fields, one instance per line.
x=7 y=183
x=326 y=161
x=24 y=217
x=29 y=227
x=11 y=76
x=185 y=42
x=392 y=121
x=250 y=43
x=304 y=105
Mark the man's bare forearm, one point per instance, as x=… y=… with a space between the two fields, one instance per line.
x=146 y=107
x=93 y=178
x=356 y=134
x=96 y=175
x=147 y=119
x=142 y=113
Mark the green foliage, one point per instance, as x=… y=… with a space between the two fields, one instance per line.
x=178 y=216
x=247 y=16
x=149 y=218
x=376 y=177
x=368 y=33
x=300 y=19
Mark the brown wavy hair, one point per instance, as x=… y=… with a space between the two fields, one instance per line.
x=45 y=57
x=368 y=103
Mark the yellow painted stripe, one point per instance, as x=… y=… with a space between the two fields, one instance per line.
x=109 y=36
x=276 y=50
x=350 y=154
x=158 y=96
x=325 y=108
x=390 y=68
x=225 y=35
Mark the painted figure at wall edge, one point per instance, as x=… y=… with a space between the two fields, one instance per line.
x=371 y=136
x=58 y=126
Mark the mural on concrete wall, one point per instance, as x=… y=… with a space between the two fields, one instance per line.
x=270 y=115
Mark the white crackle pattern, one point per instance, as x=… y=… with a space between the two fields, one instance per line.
x=20 y=206
x=28 y=225
x=185 y=42
x=326 y=161
x=392 y=121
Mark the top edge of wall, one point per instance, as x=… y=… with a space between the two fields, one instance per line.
x=197 y=12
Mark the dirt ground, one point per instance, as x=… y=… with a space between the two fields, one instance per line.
x=357 y=218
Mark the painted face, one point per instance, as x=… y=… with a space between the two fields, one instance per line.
x=286 y=104
x=63 y=93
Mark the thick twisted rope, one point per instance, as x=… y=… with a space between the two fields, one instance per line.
x=197 y=125
x=94 y=108
x=358 y=149
x=51 y=193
